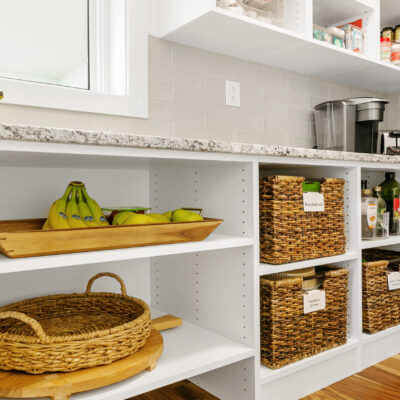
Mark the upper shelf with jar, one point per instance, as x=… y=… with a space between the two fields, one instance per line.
x=280 y=33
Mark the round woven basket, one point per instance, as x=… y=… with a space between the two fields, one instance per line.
x=68 y=332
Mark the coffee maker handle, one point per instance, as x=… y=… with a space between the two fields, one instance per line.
x=394 y=134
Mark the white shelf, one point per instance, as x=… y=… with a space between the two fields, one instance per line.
x=269 y=375
x=327 y=12
x=366 y=338
x=370 y=244
x=213 y=242
x=271 y=269
x=188 y=351
x=223 y=32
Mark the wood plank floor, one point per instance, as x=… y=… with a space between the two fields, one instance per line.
x=184 y=390
x=380 y=382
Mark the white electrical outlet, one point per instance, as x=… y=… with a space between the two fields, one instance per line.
x=233 y=93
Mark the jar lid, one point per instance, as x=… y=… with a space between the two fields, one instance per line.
x=397 y=26
x=389 y=28
x=366 y=193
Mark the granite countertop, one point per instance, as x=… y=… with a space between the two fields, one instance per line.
x=57 y=135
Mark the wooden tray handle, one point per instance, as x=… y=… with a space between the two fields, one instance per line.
x=28 y=320
x=121 y=282
x=166 y=322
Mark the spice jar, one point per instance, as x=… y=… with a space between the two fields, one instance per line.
x=388 y=33
x=397 y=34
x=395 y=57
x=369 y=208
x=386 y=49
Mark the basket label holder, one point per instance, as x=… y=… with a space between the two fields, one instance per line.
x=394 y=280
x=313 y=201
x=314 y=300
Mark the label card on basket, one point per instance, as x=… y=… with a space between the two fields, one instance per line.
x=313 y=201
x=314 y=300
x=394 y=280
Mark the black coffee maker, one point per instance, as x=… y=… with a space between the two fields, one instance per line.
x=349 y=124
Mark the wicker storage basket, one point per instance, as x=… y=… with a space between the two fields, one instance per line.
x=68 y=332
x=289 y=234
x=381 y=306
x=289 y=335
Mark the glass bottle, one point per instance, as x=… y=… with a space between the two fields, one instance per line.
x=382 y=228
x=389 y=189
x=369 y=205
x=395 y=217
x=381 y=201
x=364 y=184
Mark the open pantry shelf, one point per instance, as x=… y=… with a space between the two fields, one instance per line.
x=326 y=12
x=366 y=338
x=271 y=269
x=370 y=244
x=220 y=31
x=268 y=375
x=188 y=351
x=214 y=242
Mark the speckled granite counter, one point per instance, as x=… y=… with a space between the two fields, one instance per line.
x=56 y=135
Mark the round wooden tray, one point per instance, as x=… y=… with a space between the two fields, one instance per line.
x=60 y=386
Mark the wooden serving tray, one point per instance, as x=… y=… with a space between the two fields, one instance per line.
x=25 y=238
x=60 y=386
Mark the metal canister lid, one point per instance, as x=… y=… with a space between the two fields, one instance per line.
x=366 y=193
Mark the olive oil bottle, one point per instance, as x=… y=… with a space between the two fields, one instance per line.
x=390 y=192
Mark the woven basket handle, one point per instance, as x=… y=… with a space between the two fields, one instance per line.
x=91 y=281
x=28 y=320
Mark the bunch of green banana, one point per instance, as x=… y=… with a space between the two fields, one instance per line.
x=75 y=210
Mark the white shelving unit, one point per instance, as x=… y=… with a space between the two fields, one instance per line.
x=203 y=25
x=181 y=359
x=213 y=285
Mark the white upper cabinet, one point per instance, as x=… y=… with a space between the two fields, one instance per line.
x=82 y=55
x=285 y=40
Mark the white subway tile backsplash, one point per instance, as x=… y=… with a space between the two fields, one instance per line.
x=286 y=96
x=197 y=97
x=203 y=132
x=187 y=57
x=160 y=92
x=187 y=98
x=301 y=114
x=178 y=113
x=234 y=119
x=187 y=78
x=214 y=84
x=160 y=52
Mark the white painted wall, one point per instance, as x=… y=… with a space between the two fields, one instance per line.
x=187 y=100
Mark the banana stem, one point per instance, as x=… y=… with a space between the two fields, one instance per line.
x=67 y=192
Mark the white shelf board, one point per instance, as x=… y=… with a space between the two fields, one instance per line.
x=328 y=12
x=188 y=351
x=269 y=375
x=370 y=244
x=223 y=32
x=271 y=269
x=214 y=242
x=366 y=338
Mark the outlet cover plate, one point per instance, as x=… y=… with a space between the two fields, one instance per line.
x=232 y=93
